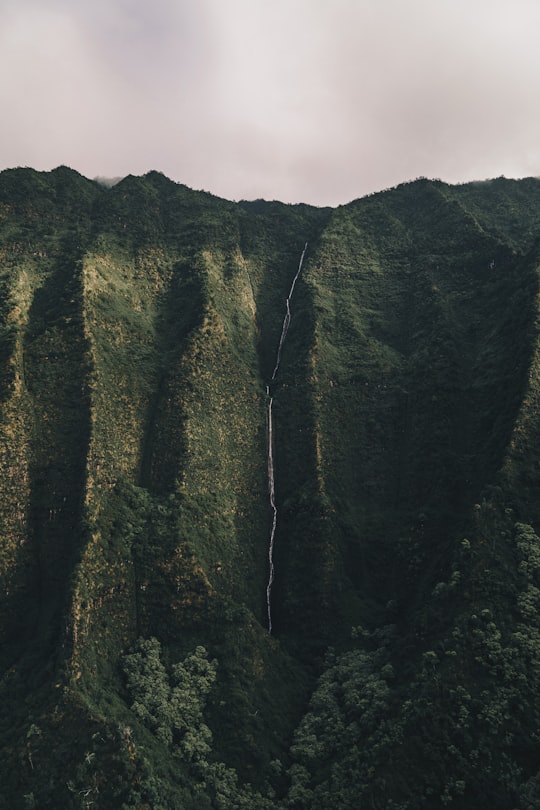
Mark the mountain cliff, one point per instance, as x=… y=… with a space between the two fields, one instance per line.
x=139 y=376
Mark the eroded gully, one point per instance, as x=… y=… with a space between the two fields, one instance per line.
x=271 y=475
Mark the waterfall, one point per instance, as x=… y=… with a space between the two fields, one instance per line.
x=270 y=430
x=287 y=318
x=271 y=492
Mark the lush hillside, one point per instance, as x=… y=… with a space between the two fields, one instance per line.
x=139 y=333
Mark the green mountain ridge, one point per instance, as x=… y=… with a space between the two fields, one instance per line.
x=138 y=334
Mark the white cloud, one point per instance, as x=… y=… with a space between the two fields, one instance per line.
x=315 y=100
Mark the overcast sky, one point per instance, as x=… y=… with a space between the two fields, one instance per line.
x=319 y=101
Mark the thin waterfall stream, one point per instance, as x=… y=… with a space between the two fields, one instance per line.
x=271 y=477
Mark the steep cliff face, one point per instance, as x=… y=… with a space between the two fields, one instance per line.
x=139 y=330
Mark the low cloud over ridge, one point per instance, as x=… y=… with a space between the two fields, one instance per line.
x=301 y=101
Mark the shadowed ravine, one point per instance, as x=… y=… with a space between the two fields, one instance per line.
x=271 y=469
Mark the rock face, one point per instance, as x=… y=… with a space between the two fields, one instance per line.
x=138 y=335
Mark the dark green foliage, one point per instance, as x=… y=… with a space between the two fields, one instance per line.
x=173 y=711
x=139 y=326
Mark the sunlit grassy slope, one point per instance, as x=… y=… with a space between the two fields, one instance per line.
x=139 y=329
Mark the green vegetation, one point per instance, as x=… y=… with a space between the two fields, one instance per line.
x=138 y=332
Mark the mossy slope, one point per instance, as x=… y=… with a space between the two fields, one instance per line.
x=139 y=332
